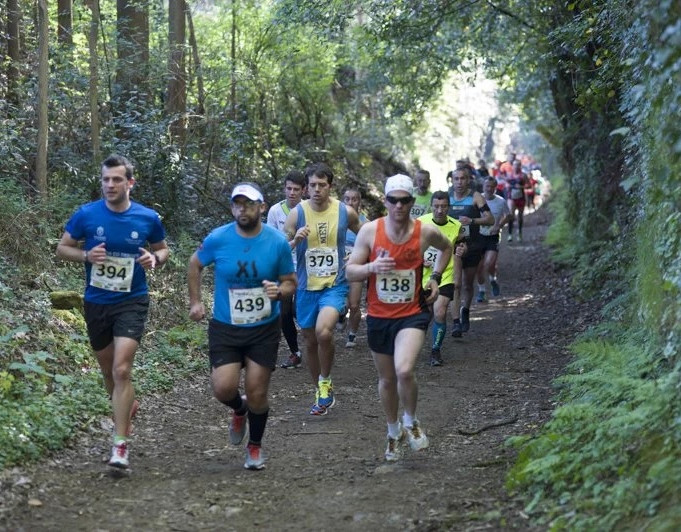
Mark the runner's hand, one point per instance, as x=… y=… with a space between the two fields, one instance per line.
x=97 y=255
x=272 y=290
x=197 y=312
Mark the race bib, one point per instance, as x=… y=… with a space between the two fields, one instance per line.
x=396 y=287
x=321 y=262
x=249 y=305
x=115 y=274
x=430 y=255
x=418 y=210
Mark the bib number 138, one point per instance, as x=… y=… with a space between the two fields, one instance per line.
x=396 y=287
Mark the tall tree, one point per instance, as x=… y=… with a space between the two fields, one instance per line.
x=132 y=68
x=64 y=22
x=43 y=80
x=93 y=87
x=176 y=95
x=198 y=71
x=13 y=50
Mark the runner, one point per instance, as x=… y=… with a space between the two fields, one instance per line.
x=469 y=207
x=422 y=194
x=353 y=198
x=294 y=188
x=389 y=253
x=450 y=286
x=487 y=269
x=113 y=231
x=253 y=272
x=316 y=228
x=515 y=194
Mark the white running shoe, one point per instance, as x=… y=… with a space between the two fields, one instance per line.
x=119 y=456
x=417 y=438
x=255 y=458
x=392 y=450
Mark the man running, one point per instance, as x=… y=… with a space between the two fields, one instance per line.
x=114 y=231
x=422 y=194
x=469 y=207
x=489 y=235
x=450 y=286
x=353 y=198
x=515 y=195
x=316 y=228
x=294 y=187
x=389 y=253
x=253 y=273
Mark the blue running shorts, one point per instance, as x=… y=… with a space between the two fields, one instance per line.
x=310 y=302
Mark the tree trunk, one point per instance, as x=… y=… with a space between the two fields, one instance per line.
x=132 y=70
x=43 y=79
x=201 y=106
x=64 y=22
x=233 y=58
x=13 y=51
x=93 y=87
x=176 y=97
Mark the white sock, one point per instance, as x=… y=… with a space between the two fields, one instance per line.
x=394 y=430
x=407 y=420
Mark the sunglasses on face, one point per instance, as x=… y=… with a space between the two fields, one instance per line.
x=394 y=201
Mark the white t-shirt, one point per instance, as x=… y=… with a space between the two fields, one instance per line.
x=276 y=217
x=499 y=209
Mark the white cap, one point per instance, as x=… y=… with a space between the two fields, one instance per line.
x=399 y=182
x=249 y=191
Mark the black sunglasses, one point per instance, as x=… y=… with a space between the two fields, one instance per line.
x=404 y=201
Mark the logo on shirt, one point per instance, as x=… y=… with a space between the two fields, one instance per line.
x=134 y=235
x=323 y=232
x=100 y=231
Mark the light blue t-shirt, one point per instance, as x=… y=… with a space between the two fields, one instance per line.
x=123 y=233
x=241 y=265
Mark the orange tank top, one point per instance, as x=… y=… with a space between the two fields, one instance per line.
x=397 y=294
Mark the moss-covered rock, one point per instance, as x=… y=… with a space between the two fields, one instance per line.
x=67 y=300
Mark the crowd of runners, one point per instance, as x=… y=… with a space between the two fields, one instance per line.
x=308 y=262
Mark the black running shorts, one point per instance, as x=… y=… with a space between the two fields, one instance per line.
x=382 y=331
x=228 y=343
x=125 y=319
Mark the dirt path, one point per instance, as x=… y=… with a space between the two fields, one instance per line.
x=328 y=473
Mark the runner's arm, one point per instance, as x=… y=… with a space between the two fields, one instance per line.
x=196 y=308
x=486 y=216
x=359 y=268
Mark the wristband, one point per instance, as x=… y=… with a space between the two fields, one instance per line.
x=436 y=276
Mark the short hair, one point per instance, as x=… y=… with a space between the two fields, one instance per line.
x=465 y=169
x=493 y=179
x=114 y=160
x=296 y=177
x=439 y=194
x=426 y=173
x=319 y=170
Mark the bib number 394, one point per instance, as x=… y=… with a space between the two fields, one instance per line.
x=396 y=287
x=321 y=262
x=114 y=274
x=249 y=305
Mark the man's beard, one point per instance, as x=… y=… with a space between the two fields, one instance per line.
x=248 y=226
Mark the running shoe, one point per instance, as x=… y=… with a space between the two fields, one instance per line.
x=481 y=296
x=119 y=456
x=317 y=409
x=496 y=290
x=510 y=238
x=392 y=450
x=465 y=319
x=457 y=332
x=255 y=457
x=326 y=397
x=520 y=238
x=417 y=438
x=293 y=361
x=237 y=428
x=351 y=340
x=435 y=358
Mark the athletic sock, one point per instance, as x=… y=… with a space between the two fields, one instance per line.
x=256 y=426
x=407 y=420
x=439 y=330
x=237 y=404
x=394 y=430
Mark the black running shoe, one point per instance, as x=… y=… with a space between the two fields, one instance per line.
x=456 y=329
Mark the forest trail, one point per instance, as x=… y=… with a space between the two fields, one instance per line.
x=329 y=473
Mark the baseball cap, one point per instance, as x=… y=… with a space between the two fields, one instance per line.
x=399 y=182
x=248 y=190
